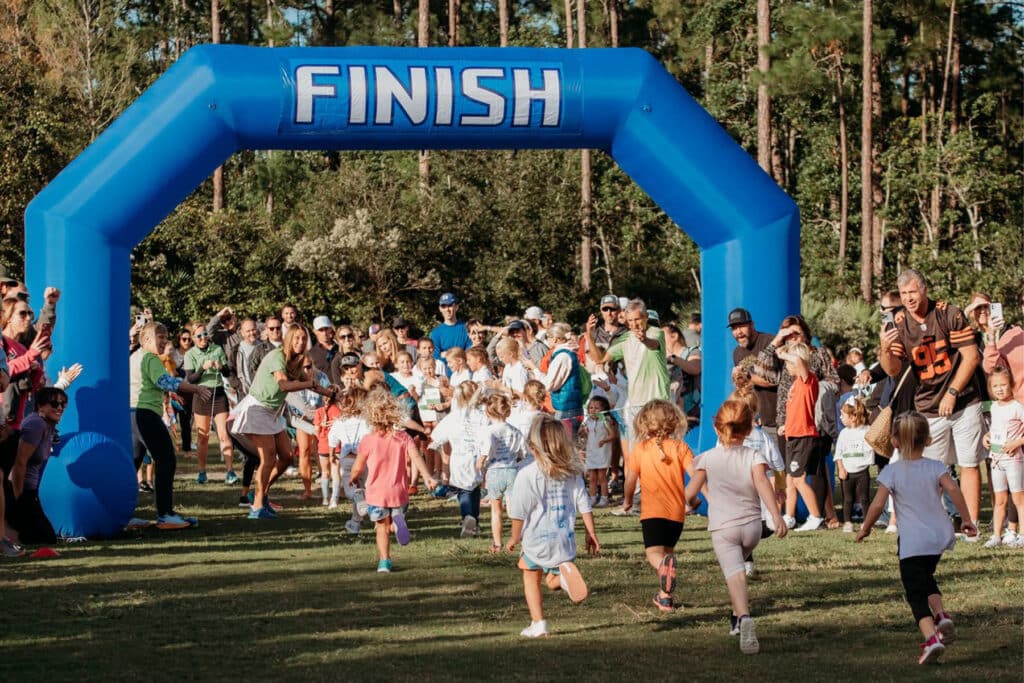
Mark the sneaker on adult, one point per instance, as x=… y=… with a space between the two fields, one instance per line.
x=811 y=524
x=172 y=522
x=401 y=529
x=891 y=529
x=1009 y=536
x=994 y=542
x=291 y=472
x=848 y=528
x=748 y=637
x=667 y=573
x=201 y=477
x=536 y=629
x=931 y=650
x=9 y=548
x=352 y=526
x=572 y=582
x=790 y=521
x=945 y=627
x=384 y=567
x=602 y=502
x=1017 y=542
x=748 y=569
x=262 y=513
x=231 y=478
x=145 y=487
x=136 y=523
x=468 y=527
x=244 y=502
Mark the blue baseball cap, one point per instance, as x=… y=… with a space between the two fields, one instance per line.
x=447 y=299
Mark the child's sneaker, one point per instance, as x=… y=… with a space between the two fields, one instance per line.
x=440 y=491
x=748 y=637
x=401 y=529
x=230 y=478
x=201 y=477
x=848 y=528
x=790 y=521
x=664 y=603
x=359 y=500
x=572 y=582
x=9 y=548
x=946 y=628
x=602 y=502
x=858 y=513
x=536 y=629
x=667 y=573
x=812 y=524
x=384 y=567
x=993 y=542
x=332 y=505
x=931 y=650
x=734 y=625
x=352 y=526
x=1009 y=536
x=891 y=529
x=262 y=513
x=325 y=502
x=468 y=527
x=1017 y=542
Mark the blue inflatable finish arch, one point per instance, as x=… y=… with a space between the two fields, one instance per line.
x=217 y=100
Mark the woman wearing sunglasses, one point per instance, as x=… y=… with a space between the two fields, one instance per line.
x=182 y=344
x=204 y=364
x=25 y=364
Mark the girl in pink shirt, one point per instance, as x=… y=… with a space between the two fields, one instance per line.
x=383 y=454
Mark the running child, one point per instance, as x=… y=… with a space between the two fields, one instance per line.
x=323 y=418
x=853 y=458
x=383 y=453
x=916 y=485
x=599 y=432
x=502 y=451
x=1004 y=441
x=659 y=461
x=464 y=429
x=737 y=485
x=532 y=405
x=547 y=494
x=343 y=439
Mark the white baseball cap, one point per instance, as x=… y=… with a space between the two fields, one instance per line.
x=534 y=313
x=321 y=322
x=623 y=301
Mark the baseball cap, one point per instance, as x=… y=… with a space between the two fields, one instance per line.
x=847 y=373
x=610 y=300
x=5 y=277
x=623 y=301
x=534 y=313
x=653 y=315
x=517 y=325
x=739 y=316
x=349 y=360
x=320 y=322
x=399 y=321
x=447 y=299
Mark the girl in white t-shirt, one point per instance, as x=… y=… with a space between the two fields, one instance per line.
x=404 y=375
x=599 y=431
x=532 y=405
x=514 y=375
x=464 y=429
x=343 y=438
x=737 y=484
x=547 y=494
x=457 y=366
x=1004 y=441
x=916 y=485
x=433 y=406
x=853 y=458
x=478 y=365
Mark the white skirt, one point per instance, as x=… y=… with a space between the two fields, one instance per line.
x=252 y=417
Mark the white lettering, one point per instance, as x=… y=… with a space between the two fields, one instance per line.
x=494 y=101
x=550 y=94
x=357 y=94
x=305 y=90
x=445 y=96
x=413 y=101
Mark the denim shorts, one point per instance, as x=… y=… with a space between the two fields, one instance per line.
x=376 y=513
x=526 y=563
x=499 y=482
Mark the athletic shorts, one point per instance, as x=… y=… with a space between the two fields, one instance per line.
x=661 y=531
x=209 y=408
x=528 y=564
x=377 y=513
x=801 y=455
x=1008 y=475
x=734 y=543
x=499 y=482
x=958 y=438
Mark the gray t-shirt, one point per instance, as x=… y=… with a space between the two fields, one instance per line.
x=924 y=526
x=38 y=432
x=732 y=496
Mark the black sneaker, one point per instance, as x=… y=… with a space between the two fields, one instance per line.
x=145 y=487
x=734 y=625
x=244 y=502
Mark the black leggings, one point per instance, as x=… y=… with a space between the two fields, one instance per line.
x=154 y=436
x=856 y=488
x=918 y=576
x=27 y=517
x=185 y=422
x=252 y=459
x=819 y=476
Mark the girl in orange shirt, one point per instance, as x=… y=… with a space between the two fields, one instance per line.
x=659 y=462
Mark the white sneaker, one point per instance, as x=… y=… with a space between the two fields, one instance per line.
x=812 y=524
x=602 y=502
x=891 y=529
x=1017 y=542
x=291 y=472
x=469 y=529
x=333 y=505
x=352 y=526
x=790 y=521
x=536 y=629
x=748 y=637
x=748 y=569
x=325 y=502
x=1009 y=536
x=993 y=542
x=593 y=500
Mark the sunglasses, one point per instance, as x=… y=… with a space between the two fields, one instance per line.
x=59 y=404
x=24 y=314
x=609 y=309
x=273 y=329
x=346 y=336
x=201 y=335
x=476 y=332
x=185 y=338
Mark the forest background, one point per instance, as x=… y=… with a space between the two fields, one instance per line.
x=909 y=158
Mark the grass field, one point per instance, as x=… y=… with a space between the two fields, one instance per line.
x=298 y=599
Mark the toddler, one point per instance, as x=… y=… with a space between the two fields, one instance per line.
x=853 y=458
x=599 y=432
x=502 y=451
x=1005 y=440
x=343 y=439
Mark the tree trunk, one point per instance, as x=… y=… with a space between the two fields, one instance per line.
x=586 y=200
x=396 y=15
x=954 y=92
x=866 y=208
x=218 y=173
x=709 y=60
x=844 y=175
x=503 y=23
x=569 y=39
x=877 y=196
x=454 y=20
x=423 y=40
x=613 y=22
x=764 y=104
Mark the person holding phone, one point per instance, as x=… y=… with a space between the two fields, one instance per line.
x=205 y=362
x=1004 y=346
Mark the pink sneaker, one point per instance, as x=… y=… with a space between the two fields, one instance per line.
x=931 y=650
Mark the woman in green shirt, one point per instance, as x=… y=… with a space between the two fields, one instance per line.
x=259 y=415
x=205 y=362
x=149 y=409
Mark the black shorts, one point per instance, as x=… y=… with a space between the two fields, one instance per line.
x=661 y=531
x=801 y=455
x=217 y=405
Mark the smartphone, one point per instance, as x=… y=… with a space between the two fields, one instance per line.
x=46 y=329
x=995 y=310
x=140 y=320
x=888 y=321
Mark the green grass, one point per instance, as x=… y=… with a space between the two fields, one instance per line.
x=298 y=599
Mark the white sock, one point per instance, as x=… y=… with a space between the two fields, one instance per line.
x=323 y=486
x=335 y=490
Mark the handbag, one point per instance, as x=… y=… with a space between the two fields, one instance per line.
x=879 y=435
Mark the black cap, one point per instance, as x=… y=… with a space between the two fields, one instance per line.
x=848 y=374
x=399 y=321
x=739 y=316
x=517 y=325
x=349 y=360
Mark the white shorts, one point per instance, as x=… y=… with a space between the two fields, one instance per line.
x=1008 y=475
x=957 y=438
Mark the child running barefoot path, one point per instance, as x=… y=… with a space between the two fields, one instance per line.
x=383 y=453
x=925 y=532
x=545 y=498
x=659 y=462
x=738 y=484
